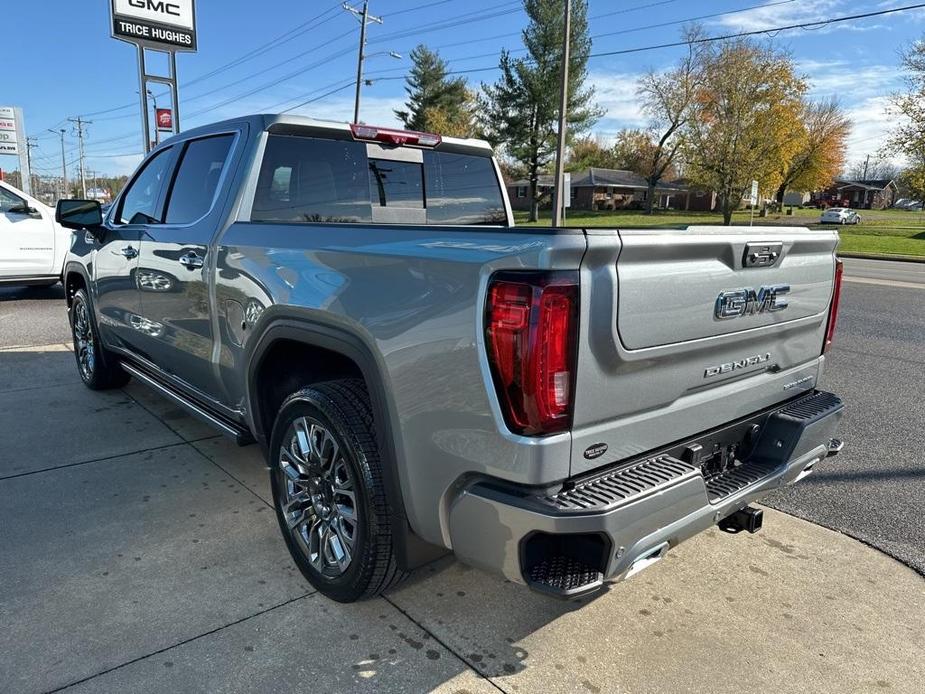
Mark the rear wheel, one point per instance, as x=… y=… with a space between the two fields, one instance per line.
x=98 y=367
x=328 y=491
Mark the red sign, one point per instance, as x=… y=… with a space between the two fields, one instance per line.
x=164 y=119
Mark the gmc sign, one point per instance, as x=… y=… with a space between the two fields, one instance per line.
x=160 y=24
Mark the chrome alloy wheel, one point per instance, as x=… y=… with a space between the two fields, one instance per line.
x=83 y=341
x=319 y=496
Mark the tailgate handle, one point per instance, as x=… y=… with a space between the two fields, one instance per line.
x=762 y=254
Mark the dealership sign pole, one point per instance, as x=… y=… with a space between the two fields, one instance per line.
x=166 y=26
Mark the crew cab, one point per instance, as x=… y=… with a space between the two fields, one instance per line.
x=32 y=245
x=558 y=405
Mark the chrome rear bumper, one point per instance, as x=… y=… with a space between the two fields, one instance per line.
x=604 y=527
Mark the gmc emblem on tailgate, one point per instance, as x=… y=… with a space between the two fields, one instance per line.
x=734 y=303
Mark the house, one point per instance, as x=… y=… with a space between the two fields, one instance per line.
x=600 y=189
x=873 y=194
x=796 y=198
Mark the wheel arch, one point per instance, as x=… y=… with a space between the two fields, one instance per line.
x=349 y=355
x=74 y=277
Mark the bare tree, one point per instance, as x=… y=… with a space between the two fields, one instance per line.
x=667 y=98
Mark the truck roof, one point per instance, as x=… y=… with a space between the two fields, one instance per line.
x=266 y=121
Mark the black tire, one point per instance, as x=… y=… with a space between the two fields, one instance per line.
x=314 y=511
x=98 y=367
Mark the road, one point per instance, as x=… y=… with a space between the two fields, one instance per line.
x=140 y=553
x=873 y=490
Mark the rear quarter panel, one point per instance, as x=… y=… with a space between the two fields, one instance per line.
x=415 y=297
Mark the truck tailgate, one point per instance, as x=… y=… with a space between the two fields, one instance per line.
x=683 y=331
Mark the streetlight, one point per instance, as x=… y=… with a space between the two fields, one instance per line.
x=368 y=82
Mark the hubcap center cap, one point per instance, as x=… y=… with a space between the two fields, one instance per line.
x=322 y=495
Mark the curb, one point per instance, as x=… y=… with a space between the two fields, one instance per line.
x=883 y=256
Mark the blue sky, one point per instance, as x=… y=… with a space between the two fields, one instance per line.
x=62 y=62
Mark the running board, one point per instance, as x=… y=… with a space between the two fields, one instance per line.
x=241 y=436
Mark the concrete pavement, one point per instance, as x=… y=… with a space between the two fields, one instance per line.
x=147 y=559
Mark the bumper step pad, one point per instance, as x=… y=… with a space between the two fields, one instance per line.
x=611 y=489
x=564 y=577
x=732 y=480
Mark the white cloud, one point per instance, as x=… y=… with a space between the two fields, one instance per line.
x=849 y=81
x=616 y=94
x=775 y=14
x=871 y=125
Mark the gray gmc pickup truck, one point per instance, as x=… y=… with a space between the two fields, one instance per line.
x=560 y=406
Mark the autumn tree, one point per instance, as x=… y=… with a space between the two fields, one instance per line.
x=908 y=106
x=821 y=134
x=588 y=152
x=436 y=102
x=520 y=111
x=746 y=106
x=667 y=99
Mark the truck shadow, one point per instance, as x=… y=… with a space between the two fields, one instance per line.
x=53 y=293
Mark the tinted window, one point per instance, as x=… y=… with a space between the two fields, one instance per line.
x=396 y=183
x=197 y=179
x=305 y=179
x=139 y=204
x=8 y=200
x=462 y=189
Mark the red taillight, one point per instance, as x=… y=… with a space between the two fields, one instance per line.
x=394 y=137
x=833 y=307
x=531 y=327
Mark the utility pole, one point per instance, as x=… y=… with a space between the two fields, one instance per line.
x=31 y=143
x=866 y=164
x=365 y=18
x=81 y=123
x=557 y=202
x=63 y=162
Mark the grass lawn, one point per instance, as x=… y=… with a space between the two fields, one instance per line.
x=888 y=232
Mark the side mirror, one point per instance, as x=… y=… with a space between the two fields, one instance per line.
x=79 y=214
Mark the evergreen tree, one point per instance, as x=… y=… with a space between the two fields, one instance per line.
x=521 y=110
x=436 y=102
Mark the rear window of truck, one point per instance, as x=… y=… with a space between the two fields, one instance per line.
x=308 y=179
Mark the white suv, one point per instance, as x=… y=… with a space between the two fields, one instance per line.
x=32 y=245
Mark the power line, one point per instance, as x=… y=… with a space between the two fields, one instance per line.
x=709 y=39
x=758 y=32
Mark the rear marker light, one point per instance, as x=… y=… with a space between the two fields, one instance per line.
x=833 y=307
x=531 y=326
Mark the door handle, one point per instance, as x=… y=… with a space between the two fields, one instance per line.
x=191 y=260
x=129 y=252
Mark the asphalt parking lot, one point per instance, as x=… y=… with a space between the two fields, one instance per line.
x=139 y=552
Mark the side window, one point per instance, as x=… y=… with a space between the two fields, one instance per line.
x=307 y=179
x=196 y=182
x=9 y=201
x=139 y=204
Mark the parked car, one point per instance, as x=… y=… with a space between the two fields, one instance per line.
x=840 y=215
x=423 y=376
x=32 y=245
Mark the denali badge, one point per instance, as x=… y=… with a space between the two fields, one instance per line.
x=595 y=451
x=734 y=303
x=731 y=366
